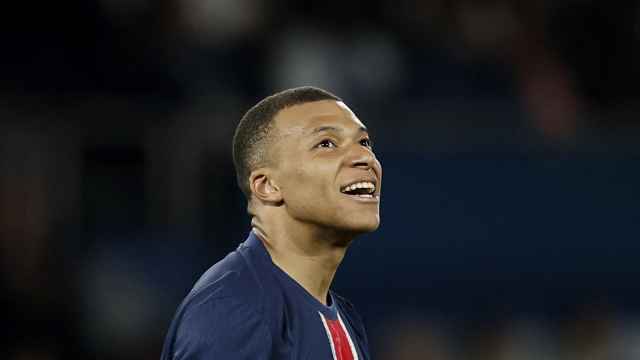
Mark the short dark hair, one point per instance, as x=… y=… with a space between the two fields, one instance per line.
x=253 y=134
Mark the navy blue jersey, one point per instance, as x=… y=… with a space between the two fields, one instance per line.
x=245 y=307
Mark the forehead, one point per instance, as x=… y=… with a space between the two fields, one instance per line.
x=304 y=118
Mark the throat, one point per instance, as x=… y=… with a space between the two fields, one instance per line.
x=311 y=267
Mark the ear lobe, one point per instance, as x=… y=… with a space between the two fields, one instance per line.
x=264 y=188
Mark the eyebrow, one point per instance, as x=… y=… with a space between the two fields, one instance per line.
x=333 y=128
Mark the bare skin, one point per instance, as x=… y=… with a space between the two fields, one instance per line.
x=298 y=209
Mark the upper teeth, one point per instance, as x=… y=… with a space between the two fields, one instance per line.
x=360 y=185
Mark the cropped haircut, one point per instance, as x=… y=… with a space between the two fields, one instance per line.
x=254 y=133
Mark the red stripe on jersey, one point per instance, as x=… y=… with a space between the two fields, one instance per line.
x=340 y=341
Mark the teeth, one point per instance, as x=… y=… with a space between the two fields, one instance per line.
x=361 y=185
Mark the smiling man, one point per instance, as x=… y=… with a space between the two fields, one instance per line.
x=305 y=163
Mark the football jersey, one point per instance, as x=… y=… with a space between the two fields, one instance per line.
x=246 y=307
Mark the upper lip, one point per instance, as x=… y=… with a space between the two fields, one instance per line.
x=368 y=179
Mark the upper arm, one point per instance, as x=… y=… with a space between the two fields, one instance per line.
x=222 y=329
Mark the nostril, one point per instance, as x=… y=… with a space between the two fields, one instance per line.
x=362 y=164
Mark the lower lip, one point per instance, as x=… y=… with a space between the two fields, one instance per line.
x=373 y=199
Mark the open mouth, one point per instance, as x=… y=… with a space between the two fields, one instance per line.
x=360 y=189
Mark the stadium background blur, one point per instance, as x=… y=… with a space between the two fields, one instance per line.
x=508 y=131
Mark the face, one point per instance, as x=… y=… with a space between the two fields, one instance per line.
x=325 y=167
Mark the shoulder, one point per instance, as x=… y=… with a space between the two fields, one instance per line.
x=225 y=307
x=221 y=327
x=229 y=287
x=214 y=320
x=235 y=277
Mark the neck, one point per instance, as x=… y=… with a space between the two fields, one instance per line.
x=307 y=254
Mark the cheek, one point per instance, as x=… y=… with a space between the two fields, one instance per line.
x=306 y=182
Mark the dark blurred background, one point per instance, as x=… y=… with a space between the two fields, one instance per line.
x=508 y=131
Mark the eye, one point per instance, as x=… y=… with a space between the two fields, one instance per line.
x=366 y=142
x=326 y=143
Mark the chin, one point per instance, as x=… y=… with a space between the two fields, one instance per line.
x=363 y=226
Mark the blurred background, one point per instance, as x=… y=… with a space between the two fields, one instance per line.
x=508 y=131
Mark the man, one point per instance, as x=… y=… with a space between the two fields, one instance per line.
x=305 y=163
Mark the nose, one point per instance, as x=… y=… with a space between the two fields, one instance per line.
x=361 y=157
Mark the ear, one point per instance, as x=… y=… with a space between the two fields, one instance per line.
x=264 y=187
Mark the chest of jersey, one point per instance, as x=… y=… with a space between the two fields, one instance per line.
x=310 y=334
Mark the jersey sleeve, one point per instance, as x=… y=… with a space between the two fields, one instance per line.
x=222 y=329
